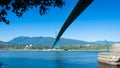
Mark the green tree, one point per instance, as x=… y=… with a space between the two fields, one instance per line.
x=19 y=7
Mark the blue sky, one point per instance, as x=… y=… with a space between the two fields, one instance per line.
x=100 y=21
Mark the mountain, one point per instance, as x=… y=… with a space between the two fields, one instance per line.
x=72 y=42
x=44 y=41
x=48 y=41
x=104 y=42
x=3 y=43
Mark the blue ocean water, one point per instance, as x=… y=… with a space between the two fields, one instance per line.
x=49 y=59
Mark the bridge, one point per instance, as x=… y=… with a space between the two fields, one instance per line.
x=78 y=9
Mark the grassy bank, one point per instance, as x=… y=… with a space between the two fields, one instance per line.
x=48 y=47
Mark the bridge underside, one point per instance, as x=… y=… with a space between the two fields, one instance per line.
x=79 y=8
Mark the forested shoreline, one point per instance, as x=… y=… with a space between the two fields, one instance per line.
x=3 y=47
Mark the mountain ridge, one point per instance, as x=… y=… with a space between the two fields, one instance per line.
x=48 y=41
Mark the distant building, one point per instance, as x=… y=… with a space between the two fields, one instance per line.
x=30 y=45
x=87 y=45
x=26 y=46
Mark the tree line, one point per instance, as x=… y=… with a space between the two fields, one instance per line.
x=14 y=47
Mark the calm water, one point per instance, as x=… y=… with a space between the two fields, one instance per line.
x=50 y=59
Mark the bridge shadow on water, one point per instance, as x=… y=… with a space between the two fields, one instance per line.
x=102 y=65
x=1 y=65
x=59 y=61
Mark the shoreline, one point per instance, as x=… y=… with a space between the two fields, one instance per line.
x=52 y=50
